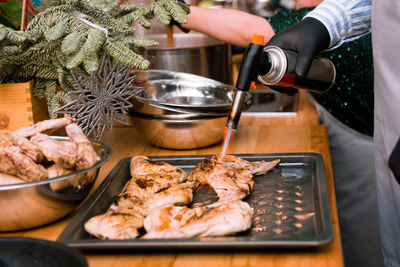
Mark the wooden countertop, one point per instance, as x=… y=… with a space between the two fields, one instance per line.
x=300 y=133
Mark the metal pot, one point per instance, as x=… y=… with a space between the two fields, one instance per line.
x=193 y=53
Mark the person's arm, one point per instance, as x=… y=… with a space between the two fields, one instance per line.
x=228 y=25
x=345 y=20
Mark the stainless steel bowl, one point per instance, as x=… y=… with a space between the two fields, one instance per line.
x=150 y=108
x=184 y=92
x=25 y=205
x=192 y=52
x=169 y=131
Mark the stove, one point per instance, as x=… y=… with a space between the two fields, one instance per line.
x=271 y=103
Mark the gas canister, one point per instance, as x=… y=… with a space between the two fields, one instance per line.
x=282 y=64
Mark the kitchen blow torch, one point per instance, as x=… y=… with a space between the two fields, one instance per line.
x=274 y=67
x=253 y=62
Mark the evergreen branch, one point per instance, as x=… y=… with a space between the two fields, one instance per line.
x=60 y=39
x=176 y=11
x=49 y=93
x=138 y=41
x=11 y=50
x=76 y=59
x=99 y=17
x=137 y=16
x=104 y=4
x=50 y=90
x=185 y=7
x=41 y=52
x=3 y=32
x=57 y=31
x=162 y=15
x=66 y=80
x=126 y=56
x=39 y=88
x=95 y=41
x=9 y=35
x=8 y=65
x=73 y=42
x=49 y=17
x=93 y=45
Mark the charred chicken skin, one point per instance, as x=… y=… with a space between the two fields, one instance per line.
x=156 y=188
x=153 y=184
x=232 y=177
x=182 y=222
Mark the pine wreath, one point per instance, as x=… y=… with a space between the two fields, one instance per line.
x=71 y=35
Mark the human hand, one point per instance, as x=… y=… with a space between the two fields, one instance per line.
x=186 y=8
x=306 y=38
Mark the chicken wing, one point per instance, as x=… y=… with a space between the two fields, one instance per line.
x=13 y=162
x=8 y=138
x=114 y=225
x=232 y=177
x=64 y=154
x=142 y=165
x=54 y=171
x=87 y=156
x=44 y=126
x=255 y=167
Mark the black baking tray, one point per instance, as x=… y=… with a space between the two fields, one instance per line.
x=291 y=207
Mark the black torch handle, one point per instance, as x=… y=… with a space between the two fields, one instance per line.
x=250 y=66
x=248 y=72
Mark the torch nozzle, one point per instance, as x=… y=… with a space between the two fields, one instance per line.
x=249 y=69
x=236 y=110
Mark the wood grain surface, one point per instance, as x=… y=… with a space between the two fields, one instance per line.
x=15 y=105
x=301 y=133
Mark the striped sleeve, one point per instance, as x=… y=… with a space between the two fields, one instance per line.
x=346 y=20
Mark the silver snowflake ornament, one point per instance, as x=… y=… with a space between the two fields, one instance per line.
x=102 y=97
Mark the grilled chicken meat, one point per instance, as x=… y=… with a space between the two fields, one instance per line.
x=181 y=194
x=44 y=126
x=64 y=154
x=128 y=204
x=142 y=165
x=226 y=219
x=145 y=186
x=231 y=178
x=8 y=138
x=156 y=187
x=13 y=162
x=115 y=225
x=166 y=222
x=151 y=180
x=182 y=222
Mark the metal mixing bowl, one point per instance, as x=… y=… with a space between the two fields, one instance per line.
x=184 y=131
x=184 y=92
x=150 y=108
x=193 y=52
x=26 y=205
